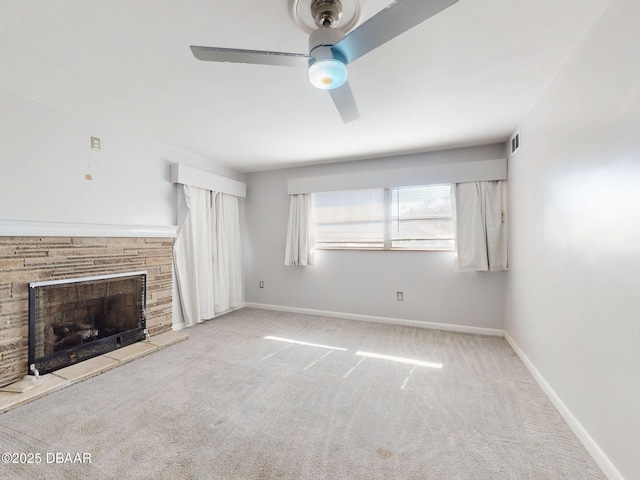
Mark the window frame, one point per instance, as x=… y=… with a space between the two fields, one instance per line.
x=388 y=222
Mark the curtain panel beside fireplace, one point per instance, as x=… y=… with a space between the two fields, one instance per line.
x=207 y=255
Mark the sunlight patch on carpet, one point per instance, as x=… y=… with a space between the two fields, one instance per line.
x=400 y=359
x=298 y=342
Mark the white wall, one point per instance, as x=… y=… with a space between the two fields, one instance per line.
x=573 y=302
x=45 y=154
x=364 y=282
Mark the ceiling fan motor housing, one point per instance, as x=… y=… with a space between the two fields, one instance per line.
x=321 y=41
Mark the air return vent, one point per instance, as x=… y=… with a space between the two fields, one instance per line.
x=515 y=142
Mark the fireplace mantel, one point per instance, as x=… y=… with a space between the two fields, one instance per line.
x=27 y=228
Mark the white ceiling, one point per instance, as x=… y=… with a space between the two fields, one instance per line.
x=467 y=76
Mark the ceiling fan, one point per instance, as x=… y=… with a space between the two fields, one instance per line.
x=331 y=50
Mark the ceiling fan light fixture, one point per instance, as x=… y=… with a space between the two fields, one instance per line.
x=328 y=74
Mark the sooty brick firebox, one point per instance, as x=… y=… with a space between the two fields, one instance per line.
x=76 y=319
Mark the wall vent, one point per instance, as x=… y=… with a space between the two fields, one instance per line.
x=515 y=142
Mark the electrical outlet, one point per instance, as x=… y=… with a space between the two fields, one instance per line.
x=261 y=284
x=400 y=296
x=95 y=143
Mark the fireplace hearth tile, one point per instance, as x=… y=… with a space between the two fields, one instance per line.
x=51 y=382
x=87 y=368
x=23 y=385
x=132 y=351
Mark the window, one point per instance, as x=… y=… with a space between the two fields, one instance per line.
x=349 y=219
x=422 y=218
x=405 y=218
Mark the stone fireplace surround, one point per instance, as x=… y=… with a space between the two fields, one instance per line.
x=31 y=259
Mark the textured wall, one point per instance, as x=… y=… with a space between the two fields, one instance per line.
x=30 y=259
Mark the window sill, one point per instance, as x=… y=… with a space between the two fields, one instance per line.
x=386 y=249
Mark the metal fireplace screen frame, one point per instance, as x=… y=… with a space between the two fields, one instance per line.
x=68 y=318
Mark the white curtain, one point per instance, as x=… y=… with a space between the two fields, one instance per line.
x=227 y=253
x=300 y=238
x=193 y=248
x=207 y=255
x=481 y=226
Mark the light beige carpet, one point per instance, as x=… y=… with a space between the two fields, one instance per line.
x=230 y=404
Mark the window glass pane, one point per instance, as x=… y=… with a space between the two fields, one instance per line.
x=421 y=217
x=349 y=219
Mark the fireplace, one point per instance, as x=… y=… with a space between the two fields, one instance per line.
x=76 y=319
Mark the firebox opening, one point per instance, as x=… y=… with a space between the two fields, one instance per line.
x=76 y=319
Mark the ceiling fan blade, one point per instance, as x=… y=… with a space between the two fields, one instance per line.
x=394 y=20
x=234 y=55
x=345 y=103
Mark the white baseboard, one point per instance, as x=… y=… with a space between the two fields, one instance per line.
x=589 y=443
x=181 y=325
x=391 y=321
x=233 y=309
